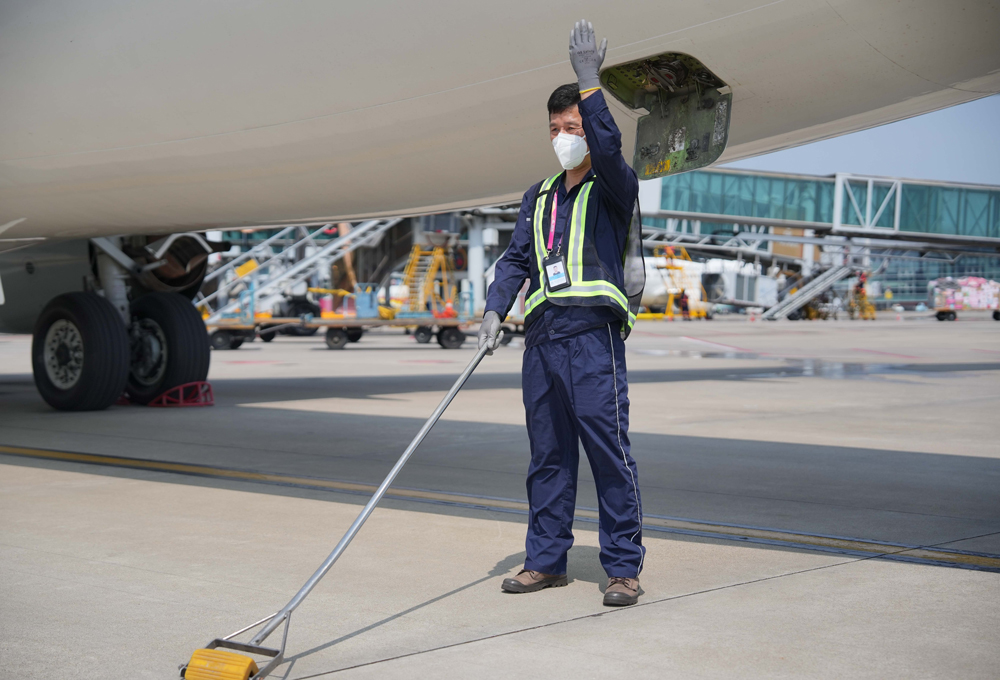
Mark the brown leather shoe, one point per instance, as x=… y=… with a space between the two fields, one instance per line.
x=621 y=592
x=528 y=581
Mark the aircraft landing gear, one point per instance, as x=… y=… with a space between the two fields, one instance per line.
x=84 y=359
x=79 y=353
x=168 y=344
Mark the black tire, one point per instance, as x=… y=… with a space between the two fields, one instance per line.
x=103 y=352
x=336 y=338
x=354 y=334
x=451 y=337
x=423 y=334
x=301 y=307
x=996 y=314
x=508 y=335
x=267 y=336
x=169 y=317
x=220 y=339
x=300 y=331
x=952 y=316
x=236 y=342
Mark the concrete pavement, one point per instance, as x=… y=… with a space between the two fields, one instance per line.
x=882 y=431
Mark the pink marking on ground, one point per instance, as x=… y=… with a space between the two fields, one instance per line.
x=887 y=354
x=988 y=351
x=719 y=345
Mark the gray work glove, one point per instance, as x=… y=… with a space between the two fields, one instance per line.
x=585 y=56
x=489 y=332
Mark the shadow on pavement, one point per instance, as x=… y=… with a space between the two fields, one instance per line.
x=501 y=569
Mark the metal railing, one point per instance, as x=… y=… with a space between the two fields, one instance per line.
x=269 y=274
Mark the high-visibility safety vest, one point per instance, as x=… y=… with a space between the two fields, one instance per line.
x=591 y=283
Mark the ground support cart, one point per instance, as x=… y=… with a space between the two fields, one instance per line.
x=339 y=332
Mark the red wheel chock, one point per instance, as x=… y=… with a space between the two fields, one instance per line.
x=189 y=394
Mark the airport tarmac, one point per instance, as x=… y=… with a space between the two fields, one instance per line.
x=822 y=499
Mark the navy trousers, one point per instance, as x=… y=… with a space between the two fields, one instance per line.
x=575 y=389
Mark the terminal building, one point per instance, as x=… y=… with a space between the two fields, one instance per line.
x=723 y=202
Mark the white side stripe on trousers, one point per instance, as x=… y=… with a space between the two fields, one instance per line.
x=638 y=507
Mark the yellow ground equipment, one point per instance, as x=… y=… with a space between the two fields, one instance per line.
x=429 y=277
x=674 y=282
x=213 y=663
x=859 y=307
x=218 y=664
x=384 y=311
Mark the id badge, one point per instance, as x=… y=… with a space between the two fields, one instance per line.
x=555 y=272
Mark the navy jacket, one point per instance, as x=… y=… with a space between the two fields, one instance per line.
x=616 y=190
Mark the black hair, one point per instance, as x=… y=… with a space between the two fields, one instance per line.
x=564 y=97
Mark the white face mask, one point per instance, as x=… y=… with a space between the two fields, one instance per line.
x=570 y=150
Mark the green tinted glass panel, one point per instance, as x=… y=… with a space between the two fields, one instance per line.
x=749 y=195
x=927 y=208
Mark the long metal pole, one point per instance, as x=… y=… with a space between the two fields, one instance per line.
x=386 y=483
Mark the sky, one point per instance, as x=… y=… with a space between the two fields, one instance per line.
x=957 y=144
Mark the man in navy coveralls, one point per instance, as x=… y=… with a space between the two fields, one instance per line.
x=570 y=242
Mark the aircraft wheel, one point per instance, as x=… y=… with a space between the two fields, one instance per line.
x=220 y=339
x=354 y=334
x=168 y=348
x=423 y=334
x=336 y=338
x=79 y=353
x=451 y=337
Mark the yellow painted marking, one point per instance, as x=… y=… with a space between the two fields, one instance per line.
x=943 y=557
x=658 y=167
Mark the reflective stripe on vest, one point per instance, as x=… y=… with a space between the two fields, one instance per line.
x=574 y=255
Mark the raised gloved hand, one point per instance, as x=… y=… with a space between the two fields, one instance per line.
x=489 y=332
x=585 y=56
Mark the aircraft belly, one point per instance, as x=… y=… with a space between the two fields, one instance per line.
x=32 y=276
x=134 y=118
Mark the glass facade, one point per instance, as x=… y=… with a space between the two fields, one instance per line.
x=804 y=198
x=958 y=210
x=908 y=279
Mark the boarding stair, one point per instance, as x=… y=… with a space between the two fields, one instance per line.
x=420 y=264
x=430 y=276
x=276 y=271
x=808 y=292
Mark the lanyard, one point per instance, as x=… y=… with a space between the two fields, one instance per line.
x=552 y=222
